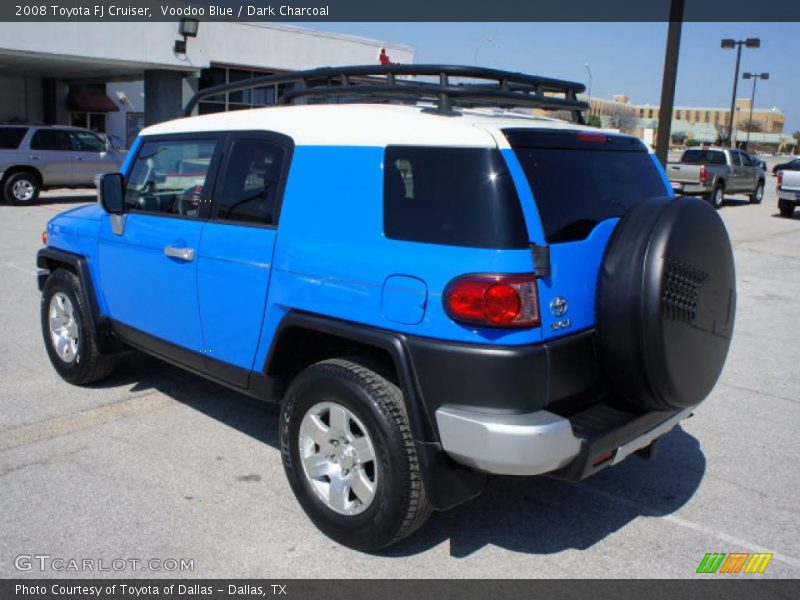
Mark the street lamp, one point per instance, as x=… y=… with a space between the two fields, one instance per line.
x=478 y=47
x=755 y=77
x=186 y=28
x=729 y=44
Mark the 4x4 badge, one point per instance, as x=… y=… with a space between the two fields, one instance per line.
x=558 y=306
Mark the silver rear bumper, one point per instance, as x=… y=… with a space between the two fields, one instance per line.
x=526 y=444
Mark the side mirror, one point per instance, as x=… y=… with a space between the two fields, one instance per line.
x=109 y=192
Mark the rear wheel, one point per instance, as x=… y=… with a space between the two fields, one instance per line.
x=786 y=208
x=349 y=455
x=758 y=195
x=21 y=188
x=717 y=196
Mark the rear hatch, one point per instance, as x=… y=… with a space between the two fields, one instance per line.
x=581 y=183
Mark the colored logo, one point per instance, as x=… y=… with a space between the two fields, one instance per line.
x=735 y=562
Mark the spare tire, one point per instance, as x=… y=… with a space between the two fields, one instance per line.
x=666 y=299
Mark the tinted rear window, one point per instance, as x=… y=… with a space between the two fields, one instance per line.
x=11 y=137
x=452 y=196
x=577 y=184
x=703 y=157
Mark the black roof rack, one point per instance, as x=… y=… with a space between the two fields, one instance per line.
x=381 y=83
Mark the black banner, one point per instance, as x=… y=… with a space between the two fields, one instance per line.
x=715 y=588
x=404 y=10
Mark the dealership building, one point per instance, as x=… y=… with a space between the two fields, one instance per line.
x=116 y=77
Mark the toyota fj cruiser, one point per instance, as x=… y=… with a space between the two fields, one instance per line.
x=434 y=287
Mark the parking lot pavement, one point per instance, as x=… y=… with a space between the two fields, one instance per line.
x=156 y=463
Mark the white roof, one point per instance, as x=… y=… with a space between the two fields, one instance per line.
x=367 y=125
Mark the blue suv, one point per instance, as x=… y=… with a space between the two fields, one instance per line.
x=434 y=285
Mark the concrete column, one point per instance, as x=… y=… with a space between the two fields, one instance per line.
x=163 y=95
x=54 y=101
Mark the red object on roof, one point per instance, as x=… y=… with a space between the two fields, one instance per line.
x=91 y=102
x=383 y=58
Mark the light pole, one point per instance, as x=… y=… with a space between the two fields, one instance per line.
x=755 y=77
x=589 y=71
x=478 y=47
x=729 y=44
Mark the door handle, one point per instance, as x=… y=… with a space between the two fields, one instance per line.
x=186 y=254
x=34 y=157
x=78 y=158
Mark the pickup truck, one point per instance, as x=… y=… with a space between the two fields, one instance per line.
x=788 y=192
x=713 y=172
x=38 y=157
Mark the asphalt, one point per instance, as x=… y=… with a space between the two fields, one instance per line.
x=158 y=464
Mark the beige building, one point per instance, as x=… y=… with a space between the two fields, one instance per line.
x=765 y=120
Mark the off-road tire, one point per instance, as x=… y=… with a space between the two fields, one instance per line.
x=400 y=505
x=89 y=365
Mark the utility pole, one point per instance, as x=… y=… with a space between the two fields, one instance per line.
x=668 y=81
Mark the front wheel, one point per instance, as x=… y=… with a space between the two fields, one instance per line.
x=349 y=455
x=757 y=196
x=717 y=196
x=67 y=334
x=21 y=188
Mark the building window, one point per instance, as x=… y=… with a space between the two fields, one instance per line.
x=89 y=120
x=243 y=99
x=134 y=123
x=678 y=114
x=650 y=113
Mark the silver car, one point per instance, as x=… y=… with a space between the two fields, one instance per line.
x=37 y=157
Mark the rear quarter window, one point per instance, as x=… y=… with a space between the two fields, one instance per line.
x=578 y=183
x=451 y=196
x=11 y=137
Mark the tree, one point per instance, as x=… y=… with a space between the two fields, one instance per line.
x=623 y=119
x=679 y=138
x=594 y=121
x=751 y=126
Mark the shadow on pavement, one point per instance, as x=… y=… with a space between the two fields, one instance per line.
x=64 y=198
x=534 y=515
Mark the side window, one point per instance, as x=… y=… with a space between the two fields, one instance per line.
x=451 y=196
x=11 y=137
x=85 y=141
x=250 y=182
x=51 y=139
x=169 y=176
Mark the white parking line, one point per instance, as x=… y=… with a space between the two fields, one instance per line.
x=23 y=269
x=720 y=535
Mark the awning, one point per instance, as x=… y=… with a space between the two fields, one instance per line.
x=84 y=102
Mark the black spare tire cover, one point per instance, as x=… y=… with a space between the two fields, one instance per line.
x=666 y=299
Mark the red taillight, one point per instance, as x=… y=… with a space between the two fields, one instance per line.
x=703 y=173
x=592 y=137
x=493 y=300
x=780 y=178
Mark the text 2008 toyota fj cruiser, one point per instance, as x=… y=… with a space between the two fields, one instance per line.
x=432 y=288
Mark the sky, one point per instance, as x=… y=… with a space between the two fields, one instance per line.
x=624 y=58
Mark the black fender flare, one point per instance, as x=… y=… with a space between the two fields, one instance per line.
x=48 y=259
x=447 y=483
